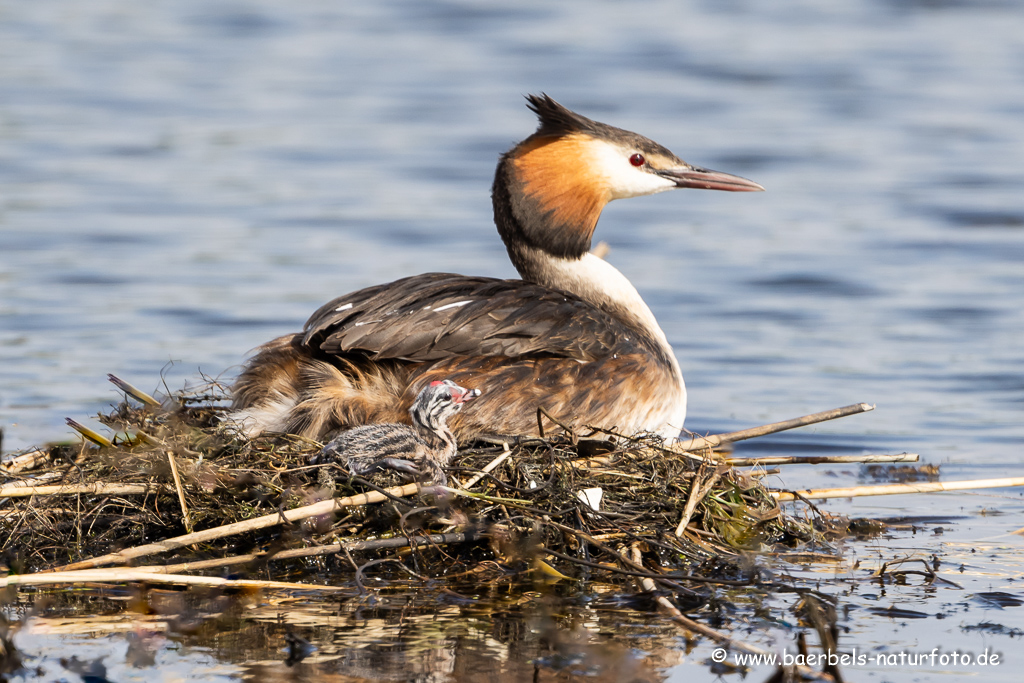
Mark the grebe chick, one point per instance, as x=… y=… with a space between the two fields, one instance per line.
x=572 y=336
x=428 y=445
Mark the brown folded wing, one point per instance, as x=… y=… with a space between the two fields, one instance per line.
x=439 y=316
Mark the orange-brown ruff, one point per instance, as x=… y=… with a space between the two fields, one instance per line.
x=573 y=336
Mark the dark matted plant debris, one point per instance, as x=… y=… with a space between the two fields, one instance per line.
x=533 y=515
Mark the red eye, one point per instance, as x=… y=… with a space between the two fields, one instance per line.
x=637 y=160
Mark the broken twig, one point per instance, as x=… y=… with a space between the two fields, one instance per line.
x=120 y=575
x=696 y=443
x=333 y=549
x=21 y=491
x=324 y=507
x=895 y=489
x=821 y=459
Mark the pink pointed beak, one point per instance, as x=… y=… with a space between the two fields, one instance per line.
x=699 y=178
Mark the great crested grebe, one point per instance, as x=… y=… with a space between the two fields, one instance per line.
x=573 y=336
x=424 y=448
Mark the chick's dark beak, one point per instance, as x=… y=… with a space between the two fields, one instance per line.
x=465 y=396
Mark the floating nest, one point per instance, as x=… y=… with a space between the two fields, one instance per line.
x=176 y=499
x=600 y=507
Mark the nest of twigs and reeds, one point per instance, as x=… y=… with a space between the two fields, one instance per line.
x=174 y=492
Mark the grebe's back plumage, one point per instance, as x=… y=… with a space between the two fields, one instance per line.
x=573 y=336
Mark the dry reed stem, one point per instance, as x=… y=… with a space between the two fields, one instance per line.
x=895 y=489
x=697 y=443
x=133 y=391
x=489 y=467
x=25 y=461
x=121 y=575
x=324 y=507
x=821 y=459
x=697 y=494
x=91 y=435
x=33 y=481
x=664 y=604
x=19 y=490
x=181 y=494
x=351 y=546
x=646 y=583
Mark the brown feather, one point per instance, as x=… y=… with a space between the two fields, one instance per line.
x=479 y=317
x=557 y=175
x=270 y=374
x=344 y=395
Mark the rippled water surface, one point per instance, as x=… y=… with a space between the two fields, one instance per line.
x=181 y=181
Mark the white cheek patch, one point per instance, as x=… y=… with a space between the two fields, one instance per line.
x=624 y=179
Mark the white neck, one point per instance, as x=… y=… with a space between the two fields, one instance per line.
x=598 y=282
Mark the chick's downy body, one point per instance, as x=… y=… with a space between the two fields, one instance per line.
x=425 y=447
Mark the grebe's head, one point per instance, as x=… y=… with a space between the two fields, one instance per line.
x=559 y=179
x=438 y=401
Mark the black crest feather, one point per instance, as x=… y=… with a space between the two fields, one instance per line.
x=556 y=119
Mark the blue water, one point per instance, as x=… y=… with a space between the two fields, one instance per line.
x=181 y=181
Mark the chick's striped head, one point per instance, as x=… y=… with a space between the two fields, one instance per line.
x=438 y=401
